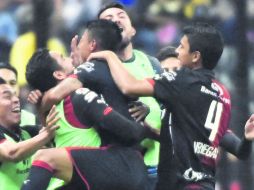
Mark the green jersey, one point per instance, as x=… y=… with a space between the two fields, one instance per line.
x=141 y=66
x=68 y=135
x=13 y=174
x=27 y=118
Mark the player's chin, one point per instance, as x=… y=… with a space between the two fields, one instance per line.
x=15 y=118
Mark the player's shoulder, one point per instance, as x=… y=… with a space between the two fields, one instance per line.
x=144 y=56
x=185 y=76
x=178 y=74
x=196 y=75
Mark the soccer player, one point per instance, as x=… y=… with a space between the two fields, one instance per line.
x=197 y=107
x=141 y=66
x=49 y=65
x=18 y=144
x=168 y=58
x=46 y=69
x=9 y=74
x=82 y=167
x=139 y=63
x=241 y=148
x=99 y=35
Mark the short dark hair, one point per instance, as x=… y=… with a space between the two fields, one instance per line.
x=166 y=52
x=106 y=33
x=2 y=81
x=9 y=67
x=207 y=40
x=110 y=5
x=40 y=69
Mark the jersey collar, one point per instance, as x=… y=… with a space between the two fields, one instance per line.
x=131 y=59
x=16 y=135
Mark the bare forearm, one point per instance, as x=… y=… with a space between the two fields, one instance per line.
x=56 y=94
x=121 y=76
x=126 y=82
x=18 y=151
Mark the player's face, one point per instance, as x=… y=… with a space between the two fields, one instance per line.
x=9 y=106
x=121 y=18
x=184 y=54
x=10 y=77
x=65 y=62
x=170 y=63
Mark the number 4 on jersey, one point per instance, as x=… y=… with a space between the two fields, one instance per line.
x=213 y=118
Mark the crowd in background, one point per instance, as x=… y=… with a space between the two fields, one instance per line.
x=158 y=24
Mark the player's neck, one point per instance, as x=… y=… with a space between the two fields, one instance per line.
x=126 y=53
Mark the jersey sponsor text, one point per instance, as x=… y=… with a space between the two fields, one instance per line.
x=205 y=150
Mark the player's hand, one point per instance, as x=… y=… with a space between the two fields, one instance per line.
x=249 y=128
x=138 y=110
x=34 y=97
x=75 y=52
x=51 y=121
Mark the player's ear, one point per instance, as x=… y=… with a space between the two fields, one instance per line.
x=196 y=57
x=92 y=45
x=59 y=75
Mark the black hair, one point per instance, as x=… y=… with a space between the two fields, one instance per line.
x=110 y=5
x=207 y=40
x=2 y=81
x=9 y=67
x=40 y=69
x=166 y=52
x=106 y=33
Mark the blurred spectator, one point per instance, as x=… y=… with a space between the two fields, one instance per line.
x=74 y=15
x=8 y=27
x=5 y=48
x=38 y=35
x=35 y=18
x=166 y=8
x=197 y=9
x=145 y=38
x=168 y=33
x=24 y=17
x=165 y=17
x=226 y=20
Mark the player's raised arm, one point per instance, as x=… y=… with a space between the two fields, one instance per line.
x=241 y=148
x=11 y=151
x=60 y=91
x=125 y=81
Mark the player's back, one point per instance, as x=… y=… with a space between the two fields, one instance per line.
x=200 y=111
x=96 y=76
